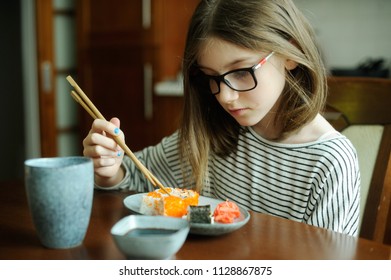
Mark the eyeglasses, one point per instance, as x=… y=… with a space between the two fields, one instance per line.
x=242 y=79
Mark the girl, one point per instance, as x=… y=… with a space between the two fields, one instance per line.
x=251 y=132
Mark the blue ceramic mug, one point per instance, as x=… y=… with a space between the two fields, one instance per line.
x=60 y=193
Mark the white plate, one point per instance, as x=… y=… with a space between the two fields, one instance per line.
x=133 y=202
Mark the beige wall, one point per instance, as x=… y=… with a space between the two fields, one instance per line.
x=350 y=31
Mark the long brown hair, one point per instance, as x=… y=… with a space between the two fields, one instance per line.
x=259 y=25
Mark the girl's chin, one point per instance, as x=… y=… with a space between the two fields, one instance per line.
x=247 y=122
x=247 y=117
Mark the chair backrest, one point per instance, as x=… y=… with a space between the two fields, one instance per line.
x=361 y=109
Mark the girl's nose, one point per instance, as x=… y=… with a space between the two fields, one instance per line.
x=227 y=95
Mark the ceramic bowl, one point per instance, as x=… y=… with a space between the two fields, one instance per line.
x=150 y=237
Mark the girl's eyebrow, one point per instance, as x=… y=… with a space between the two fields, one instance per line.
x=230 y=64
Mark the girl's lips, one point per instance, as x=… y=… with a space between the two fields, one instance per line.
x=237 y=112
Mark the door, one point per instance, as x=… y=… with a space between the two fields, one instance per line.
x=123 y=50
x=59 y=132
x=115 y=64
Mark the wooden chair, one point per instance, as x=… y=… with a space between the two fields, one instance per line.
x=361 y=109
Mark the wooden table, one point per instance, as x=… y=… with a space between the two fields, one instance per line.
x=263 y=237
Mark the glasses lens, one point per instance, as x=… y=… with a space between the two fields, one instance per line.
x=240 y=80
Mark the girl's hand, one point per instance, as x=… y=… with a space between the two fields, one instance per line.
x=107 y=155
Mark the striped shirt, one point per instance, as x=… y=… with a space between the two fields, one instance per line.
x=317 y=183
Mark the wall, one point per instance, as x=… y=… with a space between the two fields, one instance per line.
x=11 y=104
x=30 y=80
x=350 y=31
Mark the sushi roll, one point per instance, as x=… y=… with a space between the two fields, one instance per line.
x=174 y=204
x=190 y=197
x=152 y=204
x=174 y=207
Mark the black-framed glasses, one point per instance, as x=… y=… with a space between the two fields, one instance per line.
x=242 y=79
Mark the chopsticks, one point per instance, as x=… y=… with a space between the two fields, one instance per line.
x=81 y=98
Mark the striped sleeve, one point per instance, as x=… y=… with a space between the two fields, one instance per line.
x=335 y=204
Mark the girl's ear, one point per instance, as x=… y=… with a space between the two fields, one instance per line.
x=290 y=64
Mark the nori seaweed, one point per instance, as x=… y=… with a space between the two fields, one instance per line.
x=199 y=214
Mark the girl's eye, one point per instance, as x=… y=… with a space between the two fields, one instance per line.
x=239 y=75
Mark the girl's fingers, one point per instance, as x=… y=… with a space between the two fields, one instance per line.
x=108 y=127
x=104 y=162
x=100 y=145
x=100 y=151
x=99 y=139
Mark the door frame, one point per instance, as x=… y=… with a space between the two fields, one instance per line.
x=45 y=70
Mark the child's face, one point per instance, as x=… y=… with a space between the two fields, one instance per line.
x=249 y=108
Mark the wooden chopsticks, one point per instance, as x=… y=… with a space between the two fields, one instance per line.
x=81 y=98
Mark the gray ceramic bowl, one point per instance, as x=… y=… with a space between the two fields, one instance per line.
x=150 y=237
